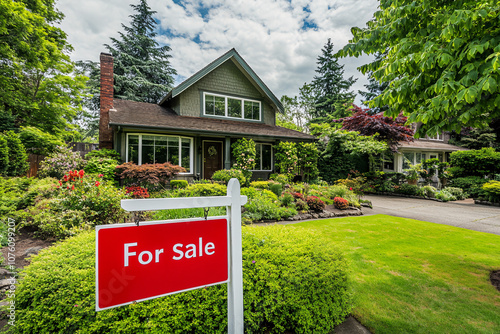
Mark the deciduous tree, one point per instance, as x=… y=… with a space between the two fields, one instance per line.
x=443 y=61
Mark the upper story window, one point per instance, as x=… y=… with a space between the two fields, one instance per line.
x=231 y=107
x=150 y=149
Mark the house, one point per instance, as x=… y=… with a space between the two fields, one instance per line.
x=421 y=149
x=196 y=122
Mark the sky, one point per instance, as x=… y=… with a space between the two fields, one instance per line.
x=279 y=39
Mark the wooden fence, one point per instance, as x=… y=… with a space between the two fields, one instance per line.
x=34 y=161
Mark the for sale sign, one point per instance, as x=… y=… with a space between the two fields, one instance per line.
x=135 y=263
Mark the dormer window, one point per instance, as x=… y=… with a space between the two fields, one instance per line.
x=438 y=137
x=231 y=107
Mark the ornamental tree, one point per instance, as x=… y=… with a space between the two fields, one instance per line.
x=443 y=61
x=388 y=129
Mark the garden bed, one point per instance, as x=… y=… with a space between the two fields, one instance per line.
x=478 y=201
x=330 y=212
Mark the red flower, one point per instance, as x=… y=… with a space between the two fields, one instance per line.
x=101 y=175
x=97 y=183
x=81 y=173
x=60 y=183
x=350 y=188
x=73 y=187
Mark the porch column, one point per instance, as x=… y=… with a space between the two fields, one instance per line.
x=227 y=153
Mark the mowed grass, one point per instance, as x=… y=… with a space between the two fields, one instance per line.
x=411 y=276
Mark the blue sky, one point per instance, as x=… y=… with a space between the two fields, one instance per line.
x=279 y=39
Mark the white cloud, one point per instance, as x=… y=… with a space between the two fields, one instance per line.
x=267 y=34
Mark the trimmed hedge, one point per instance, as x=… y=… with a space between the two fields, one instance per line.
x=294 y=281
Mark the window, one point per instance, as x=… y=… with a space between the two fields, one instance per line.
x=438 y=137
x=149 y=149
x=231 y=107
x=264 y=157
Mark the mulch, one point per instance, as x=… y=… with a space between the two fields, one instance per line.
x=495 y=279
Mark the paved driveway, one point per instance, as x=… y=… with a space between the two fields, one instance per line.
x=463 y=214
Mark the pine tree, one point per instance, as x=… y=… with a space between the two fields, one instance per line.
x=142 y=70
x=333 y=98
x=375 y=88
x=142 y=67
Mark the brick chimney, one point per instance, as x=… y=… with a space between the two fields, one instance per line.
x=106 y=101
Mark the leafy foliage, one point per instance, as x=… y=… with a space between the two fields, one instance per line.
x=137 y=192
x=37 y=141
x=315 y=203
x=105 y=167
x=244 y=154
x=4 y=155
x=483 y=162
x=18 y=158
x=492 y=190
x=442 y=61
x=178 y=184
x=305 y=290
x=388 y=129
x=148 y=175
x=333 y=97
x=375 y=88
x=298 y=110
x=103 y=153
x=224 y=175
x=37 y=84
x=471 y=185
x=308 y=154
x=407 y=189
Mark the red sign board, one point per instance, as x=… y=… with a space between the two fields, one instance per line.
x=135 y=263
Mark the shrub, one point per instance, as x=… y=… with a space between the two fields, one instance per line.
x=429 y=191
x=281 y=178
x=286 y=199
x=456 y=192
x=276 y=188
x=307 y=154
x=150 y=176
x=4 y=155
x=341 y=203
x=445 y=196
x=18 y=158
x=342 y=191
x=103 y=153
x=293 y=279
x=178 y=184
x=262 y=208
x=188 y=213
x=471 y=185
x=407 y=189
x=202 y=189
x=59 y=162
x=260 y=184
x=315 y=203
x=38 y=142
x=301 y=205
x=298 y=196
x=483 y=162
x=102 y=166
x=244 y=153
x=492 y=190
x=137 y=192
x=224 y=175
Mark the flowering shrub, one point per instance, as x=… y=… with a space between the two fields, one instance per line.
x=315 y=203
x=80 y=202
x=301 y=205
x=340 y=203
x=308 y=161
x=58 y=163
x=149 y=176
x=286 y=157
x=244 y=154
x=137 y=192
x=298 y=196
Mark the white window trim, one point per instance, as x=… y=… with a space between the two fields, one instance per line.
x=243 y=100
x=438 y=137
x=272 y=158
x=139 y=153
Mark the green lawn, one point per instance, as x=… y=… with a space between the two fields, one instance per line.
x=411 y=276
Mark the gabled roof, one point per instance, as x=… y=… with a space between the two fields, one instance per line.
x=431 y=146
x=231 y=54
x=153 y=116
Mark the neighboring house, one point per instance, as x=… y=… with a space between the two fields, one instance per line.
x=195 y=123
x=419 y=150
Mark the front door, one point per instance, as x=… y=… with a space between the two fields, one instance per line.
x=212 y=158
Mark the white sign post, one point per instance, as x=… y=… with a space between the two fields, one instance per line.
x=233 y=202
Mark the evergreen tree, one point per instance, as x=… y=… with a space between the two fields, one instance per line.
x=333 y=98
x=142 y=70
x=374 y=88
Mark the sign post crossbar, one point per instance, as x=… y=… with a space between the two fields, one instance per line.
x=233 y=201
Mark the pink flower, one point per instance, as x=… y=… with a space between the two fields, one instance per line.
x=97 y=183
x=101 y=175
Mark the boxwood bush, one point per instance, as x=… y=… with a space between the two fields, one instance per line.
x=294 y=281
